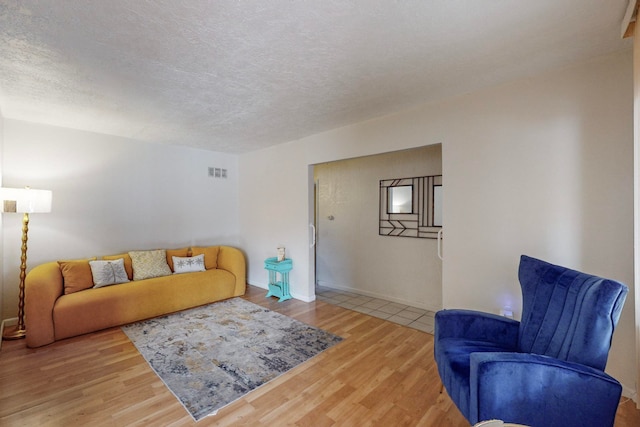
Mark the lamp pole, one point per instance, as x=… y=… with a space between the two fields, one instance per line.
x=19 y=331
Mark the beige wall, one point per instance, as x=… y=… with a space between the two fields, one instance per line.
x=541 y=166
x=351 y=255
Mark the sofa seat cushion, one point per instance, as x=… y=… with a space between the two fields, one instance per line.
x=100 y=308
x=454 y=361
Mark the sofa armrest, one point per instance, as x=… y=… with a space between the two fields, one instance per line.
x=539 y=390
x=476 y=325
x=43 y=286
x=232 y=260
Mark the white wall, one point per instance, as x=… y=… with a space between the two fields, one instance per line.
x=2 y=316
x=112 y=194
x=351 y=255
x=541 y=166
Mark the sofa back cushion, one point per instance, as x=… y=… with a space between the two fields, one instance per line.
x=210 y=255
x=175 y=252
x=76 y=275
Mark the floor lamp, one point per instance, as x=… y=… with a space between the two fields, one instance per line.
x=24 y=201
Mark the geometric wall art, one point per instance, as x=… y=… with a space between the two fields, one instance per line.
x=411 y=207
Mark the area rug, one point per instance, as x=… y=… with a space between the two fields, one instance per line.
x=212 y=355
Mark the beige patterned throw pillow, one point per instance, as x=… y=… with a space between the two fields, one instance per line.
x=148 y=264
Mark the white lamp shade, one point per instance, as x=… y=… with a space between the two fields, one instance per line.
x=25 y=200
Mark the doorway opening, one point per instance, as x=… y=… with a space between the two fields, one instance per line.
x=350 y=256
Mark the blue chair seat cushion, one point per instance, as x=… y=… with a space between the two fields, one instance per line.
x=454 y=361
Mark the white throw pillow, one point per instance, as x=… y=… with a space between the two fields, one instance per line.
x=148 y=264
x=188 y=264
x=107 y=273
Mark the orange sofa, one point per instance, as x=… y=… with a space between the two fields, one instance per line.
x=51 y=314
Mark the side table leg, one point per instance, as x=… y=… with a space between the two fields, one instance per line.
x=272 y=280
x=285 y=287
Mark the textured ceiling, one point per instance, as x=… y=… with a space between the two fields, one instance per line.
x=236 y=76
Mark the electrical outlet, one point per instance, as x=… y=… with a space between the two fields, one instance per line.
x=506 y=312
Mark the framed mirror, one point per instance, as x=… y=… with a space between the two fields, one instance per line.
x=400 y=199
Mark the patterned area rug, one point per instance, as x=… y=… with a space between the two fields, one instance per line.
x=212 y=355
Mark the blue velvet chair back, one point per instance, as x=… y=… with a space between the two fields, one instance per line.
x=567 y=314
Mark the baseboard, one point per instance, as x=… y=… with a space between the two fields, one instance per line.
x=294 y=295
x=630 y=393
x=411 y=303
x=264 y=285
x=12 y=321
x=301 y=298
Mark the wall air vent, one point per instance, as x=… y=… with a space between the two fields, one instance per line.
x=217 y=173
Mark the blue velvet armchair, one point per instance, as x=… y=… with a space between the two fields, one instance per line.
x=546 y=370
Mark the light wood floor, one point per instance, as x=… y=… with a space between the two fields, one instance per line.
x=382 y=374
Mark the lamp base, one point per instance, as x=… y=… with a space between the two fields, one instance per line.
x=14 y=333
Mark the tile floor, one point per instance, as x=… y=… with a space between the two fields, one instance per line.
x=413 y=317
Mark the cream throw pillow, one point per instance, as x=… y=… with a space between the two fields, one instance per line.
x=107 y=273
x=148 y=264
x=188 y=264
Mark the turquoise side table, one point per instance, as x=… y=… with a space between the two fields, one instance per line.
x=277 y=288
